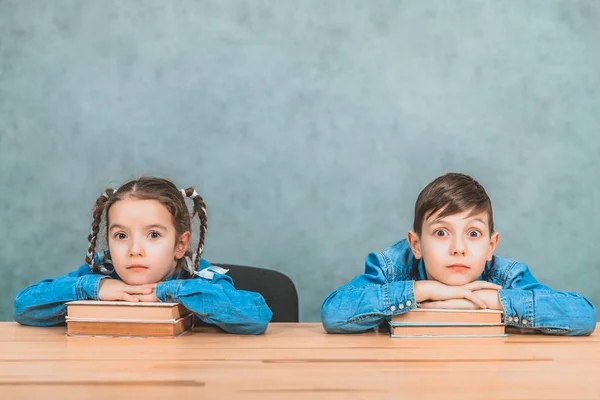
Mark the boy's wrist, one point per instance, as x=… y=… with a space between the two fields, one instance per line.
x=422 y=291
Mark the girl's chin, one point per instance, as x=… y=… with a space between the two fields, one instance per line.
x=137 y=280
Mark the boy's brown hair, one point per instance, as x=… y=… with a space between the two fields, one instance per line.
x=452 y=193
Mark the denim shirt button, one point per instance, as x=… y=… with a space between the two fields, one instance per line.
x=516 y=319
x=401 y=306
x=408 y=303
x=393 y=308
x=524 y=322
x=509 y=319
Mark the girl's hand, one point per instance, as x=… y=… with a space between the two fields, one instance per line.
x=148 y=298
x=112 y=289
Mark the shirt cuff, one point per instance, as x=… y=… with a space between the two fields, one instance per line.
x=168 y=292
x=87 y=286
x=518 y=307
x=399 y=297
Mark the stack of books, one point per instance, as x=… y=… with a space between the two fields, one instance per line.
x=423 y=322
x=121 y=318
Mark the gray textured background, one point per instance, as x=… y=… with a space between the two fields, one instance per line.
x=309 y=127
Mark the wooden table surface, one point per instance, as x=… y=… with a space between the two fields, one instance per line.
x=295 y=361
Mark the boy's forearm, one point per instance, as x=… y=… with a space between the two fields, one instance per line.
x=557 y=313
x=355 y=309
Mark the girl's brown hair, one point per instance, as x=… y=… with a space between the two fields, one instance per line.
x=151 y=188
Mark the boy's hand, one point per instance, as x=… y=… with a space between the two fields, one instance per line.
x=491 y=298
x=436 y=291
x=112 y=289
x=456 y=304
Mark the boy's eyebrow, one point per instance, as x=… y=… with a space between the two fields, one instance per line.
x=479 y=220
x=443 y=221
x=164 y=228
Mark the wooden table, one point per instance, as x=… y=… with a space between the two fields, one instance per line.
x=295 y=361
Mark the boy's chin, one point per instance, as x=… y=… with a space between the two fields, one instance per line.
x=455 y=280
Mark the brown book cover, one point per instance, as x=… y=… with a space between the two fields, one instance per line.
x=446 y=331
x=432 y=316
x=167 y=329
x=124 y=310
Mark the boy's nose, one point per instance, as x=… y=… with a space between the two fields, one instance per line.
x=458 y=247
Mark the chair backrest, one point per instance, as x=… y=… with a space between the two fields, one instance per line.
x=277 y=289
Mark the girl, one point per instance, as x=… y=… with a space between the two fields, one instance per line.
x=148 y=232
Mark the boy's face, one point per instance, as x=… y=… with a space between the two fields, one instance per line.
x=143 y=243
x=454 y=248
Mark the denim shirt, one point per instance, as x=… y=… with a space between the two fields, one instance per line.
x=211 y=297
x=387 y=288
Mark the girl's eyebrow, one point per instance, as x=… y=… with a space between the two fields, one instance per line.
x=153 y=226
x=115 y=226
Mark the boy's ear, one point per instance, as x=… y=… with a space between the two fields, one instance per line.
x=493 y=244
x=415 y=244
x=182 y=244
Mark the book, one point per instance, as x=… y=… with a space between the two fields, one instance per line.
x=124 y=310
x=150 y=328
x=416 y=331
x=432 y=316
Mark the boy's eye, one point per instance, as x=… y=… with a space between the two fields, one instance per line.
x=154 y=235
x=440 y=233
x=474 y=233
x=121 y=236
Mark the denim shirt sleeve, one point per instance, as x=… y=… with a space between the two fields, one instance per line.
x=43 y=304
x=529 y=304
x=216 y=301
x=368 y=300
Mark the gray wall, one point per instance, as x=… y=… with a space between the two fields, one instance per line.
x=309 y=127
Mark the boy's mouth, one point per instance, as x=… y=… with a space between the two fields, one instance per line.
x=458 y=268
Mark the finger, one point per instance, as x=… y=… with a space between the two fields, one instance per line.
x=475 y=299
x=141 y=289
x=146 y=297
x=128 y=297
x=479 y=285
x=429 y=304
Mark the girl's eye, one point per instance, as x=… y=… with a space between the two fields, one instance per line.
x=121 y=236
x=440 y=233
x=474 y=233
x=154 y=235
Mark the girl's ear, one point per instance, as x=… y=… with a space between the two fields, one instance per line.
x=182 y=244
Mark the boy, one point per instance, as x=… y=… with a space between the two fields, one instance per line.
x=448 y=261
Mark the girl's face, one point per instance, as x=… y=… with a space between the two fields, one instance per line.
x=142 y=240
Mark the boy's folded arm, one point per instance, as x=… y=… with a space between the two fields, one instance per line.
x=217 y=302
x=43 y=303
x=530 y=304
x=367 y=300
